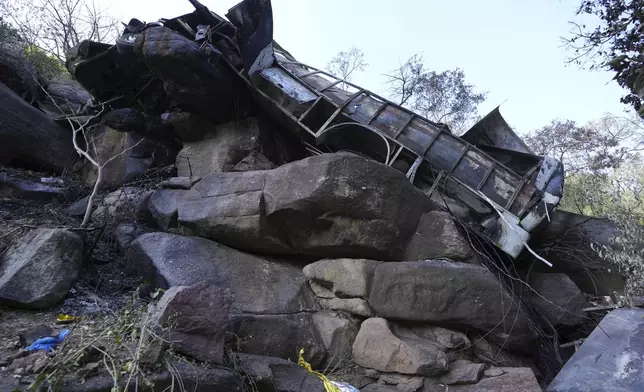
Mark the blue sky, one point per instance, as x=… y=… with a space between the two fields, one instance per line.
x=512 y=49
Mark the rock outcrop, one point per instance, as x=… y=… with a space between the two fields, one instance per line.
x=558 y=299
x=193 y=320
x=29 y=136
x=450 y=293
x=332 y=205
x=220 y=150
x=377 y=347
x=38 y=271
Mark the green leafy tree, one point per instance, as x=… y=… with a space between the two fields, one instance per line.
x=615 y=43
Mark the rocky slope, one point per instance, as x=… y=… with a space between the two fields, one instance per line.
x=219 y=249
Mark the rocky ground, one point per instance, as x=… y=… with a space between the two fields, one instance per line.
x=219 y=247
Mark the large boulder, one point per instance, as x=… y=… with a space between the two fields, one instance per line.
x=450 y=293
x=344 y=277
x=193 y=320
x=257 y=285
x=567 y=240
x=438 y=237
x=24 y=185
x=64 y=98
x=194 y=76
x=338 y=332
x=272 y=305
x=509 y=380
x=273 y=374
x=30 y=136
x=17 y=73
x=610 y=359
x=38 y=271
x=332 y=205
x=558 y=299
x=279 y=335
x=219 y=151
x=125 y=156
x=377 y=347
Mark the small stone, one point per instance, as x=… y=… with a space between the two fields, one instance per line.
x=493 y=372
x=464 y=372
x=372 y=373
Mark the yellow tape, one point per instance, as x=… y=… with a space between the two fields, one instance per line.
x=328 y=385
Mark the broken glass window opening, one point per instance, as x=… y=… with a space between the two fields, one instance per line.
x=488 y=177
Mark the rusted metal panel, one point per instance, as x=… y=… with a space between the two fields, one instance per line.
x=493 y=130
x=391 y=120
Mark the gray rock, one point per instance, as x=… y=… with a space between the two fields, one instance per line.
x=610 y=359
x=193 y=320
x=189 y=127
x=180 y=182
x=512 y=380
x=281 y=335
x=220 y=150
x=438 y=237
x=402 y=383
x=377 y=347
x=278 y=375
x=254 y=161
x=38 y=271
x=490 y=353
x=125 y=234
x=558 y=299
x=568 y=238
x=193 y=377
x=14 y=184
x=331 y=205
x=120 y=205
x=29 y=135
x=258 y=285
x=77 y=208
x=493 y=372
x=357 y=306
x=64 y=98
x=450 y=293
x=211 y=88
x=162 y=206
x=338 y=332
x=463 y=372
x=125 y=167
x=379 y=388
x=344 y=277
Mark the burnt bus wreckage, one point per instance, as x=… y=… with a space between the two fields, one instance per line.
x=488 y=177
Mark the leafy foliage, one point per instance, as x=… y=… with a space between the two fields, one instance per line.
x=614 y=44
x=443 y=97
x=605 y=179
x=46 y=65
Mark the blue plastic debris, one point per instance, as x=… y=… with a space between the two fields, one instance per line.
x=49 y=342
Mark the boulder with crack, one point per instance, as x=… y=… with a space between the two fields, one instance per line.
x=193 y=320
x=558 y=299
x=450 y=293
x=377 y=347
x=272 y=306
x=30 y=136
x=331 y=205
x=38 y=271
x=342 y=284
x=220 y=150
